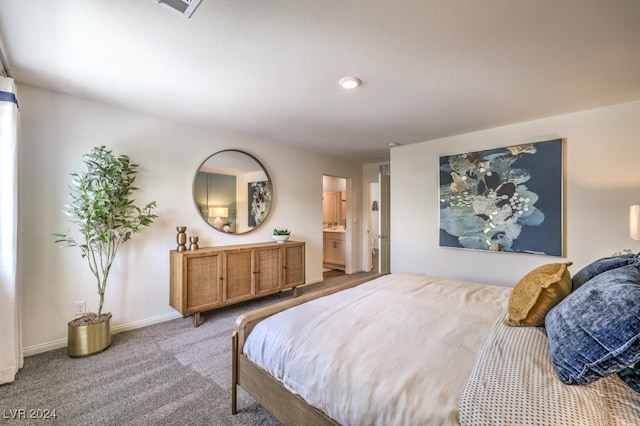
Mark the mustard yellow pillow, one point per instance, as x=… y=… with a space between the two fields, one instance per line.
x=537 y=292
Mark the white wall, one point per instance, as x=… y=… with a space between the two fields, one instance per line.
x=333 y=184
x=602 y=180
x=57 y=130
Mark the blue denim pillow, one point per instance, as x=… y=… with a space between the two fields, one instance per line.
x=599 y=266
x=595 y=331
x=631 y=376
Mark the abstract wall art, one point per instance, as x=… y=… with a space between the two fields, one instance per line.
x=504 y=199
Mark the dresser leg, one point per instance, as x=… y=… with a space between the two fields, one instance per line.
x=196 y=319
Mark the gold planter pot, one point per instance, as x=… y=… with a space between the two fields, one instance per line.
x=90 y=339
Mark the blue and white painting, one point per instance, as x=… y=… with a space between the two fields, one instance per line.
x=506 y=199
x=260 y=195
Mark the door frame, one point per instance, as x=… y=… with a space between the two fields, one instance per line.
x=384 y=237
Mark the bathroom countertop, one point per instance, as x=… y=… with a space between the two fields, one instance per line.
x=339 y=229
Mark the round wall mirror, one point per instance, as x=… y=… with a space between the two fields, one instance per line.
x=232 y=192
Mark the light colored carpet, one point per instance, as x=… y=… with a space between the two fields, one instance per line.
x=165 y=374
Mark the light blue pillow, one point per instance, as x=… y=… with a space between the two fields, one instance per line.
x=599 y=266
x=595 y=331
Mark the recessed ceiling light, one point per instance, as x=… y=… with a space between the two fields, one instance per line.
x=349 y=82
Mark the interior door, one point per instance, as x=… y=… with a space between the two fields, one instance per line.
x=384 y=238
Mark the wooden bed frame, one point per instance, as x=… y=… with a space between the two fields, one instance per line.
x=288 y=407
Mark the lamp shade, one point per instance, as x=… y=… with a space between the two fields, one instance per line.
x=634 y=220
x=218 y=212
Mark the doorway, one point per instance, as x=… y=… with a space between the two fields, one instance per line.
x=374 y=226
x=335 y=244
x=378 y=205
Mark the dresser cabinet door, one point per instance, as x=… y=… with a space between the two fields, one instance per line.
x=203 y=283
x=268 y=270
x=293 y=266
x=238 y=275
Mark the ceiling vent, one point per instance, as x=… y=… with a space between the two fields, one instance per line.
x=185 y=7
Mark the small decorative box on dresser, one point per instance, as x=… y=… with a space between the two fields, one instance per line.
x=212 y=277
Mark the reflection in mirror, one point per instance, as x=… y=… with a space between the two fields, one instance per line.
x=232 y=192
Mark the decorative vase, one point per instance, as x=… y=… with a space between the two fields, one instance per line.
x=90 y=339
x=193 y=243
x=181 y=238
x=280 y=238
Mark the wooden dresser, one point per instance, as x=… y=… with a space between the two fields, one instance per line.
x=211 y=277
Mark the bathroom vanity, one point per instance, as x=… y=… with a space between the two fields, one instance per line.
x=334 y=248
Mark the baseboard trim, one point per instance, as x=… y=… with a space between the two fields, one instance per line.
x=62 y=343
x=145 y=322
x=44 y=347
x=314 y=280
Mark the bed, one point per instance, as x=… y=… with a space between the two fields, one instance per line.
x=405 y=349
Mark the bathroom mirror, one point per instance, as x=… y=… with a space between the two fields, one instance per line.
x=232 y=192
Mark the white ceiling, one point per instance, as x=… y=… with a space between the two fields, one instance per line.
x=430 y=68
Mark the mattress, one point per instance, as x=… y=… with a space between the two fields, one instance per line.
x=395 y=350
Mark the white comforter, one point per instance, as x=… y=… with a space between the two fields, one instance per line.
x=393 y=351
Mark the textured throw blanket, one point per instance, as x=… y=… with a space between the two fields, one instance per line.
x=514 y=383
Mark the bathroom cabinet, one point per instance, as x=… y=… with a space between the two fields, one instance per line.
x=334 y=250
x=212 y=277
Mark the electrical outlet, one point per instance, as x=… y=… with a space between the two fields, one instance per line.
x=80 y=308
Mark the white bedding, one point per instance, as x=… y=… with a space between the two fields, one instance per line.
x=394 y=351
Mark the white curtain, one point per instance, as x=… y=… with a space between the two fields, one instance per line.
x=10 y=331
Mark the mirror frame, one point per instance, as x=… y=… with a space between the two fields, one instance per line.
x=198 y=206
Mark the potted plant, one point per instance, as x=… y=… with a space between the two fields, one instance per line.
x=280 y=235
x=105 y=216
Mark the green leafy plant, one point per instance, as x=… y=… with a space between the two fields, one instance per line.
x=104 y=212
x=277 y=231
